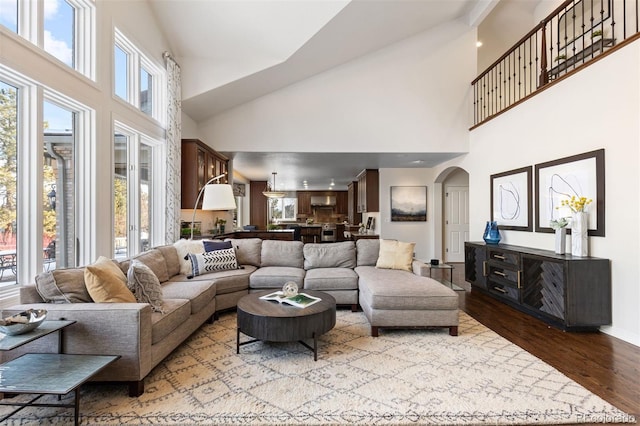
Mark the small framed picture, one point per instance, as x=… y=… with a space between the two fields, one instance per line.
x=511 y=194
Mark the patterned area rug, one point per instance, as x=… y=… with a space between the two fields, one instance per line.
x=401 y=377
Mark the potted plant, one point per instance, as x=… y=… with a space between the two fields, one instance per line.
x=595 y=35
x=559 y=225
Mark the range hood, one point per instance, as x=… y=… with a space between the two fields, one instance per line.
x=323 y=200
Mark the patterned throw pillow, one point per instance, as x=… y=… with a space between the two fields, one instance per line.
x=145 y=285
x=219 y=260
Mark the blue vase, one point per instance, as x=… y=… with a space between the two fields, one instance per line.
x=491 y=233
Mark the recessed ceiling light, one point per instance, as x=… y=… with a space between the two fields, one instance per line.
x=418 y=161
x=478 y=43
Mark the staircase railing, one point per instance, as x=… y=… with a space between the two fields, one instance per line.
x=573 y=35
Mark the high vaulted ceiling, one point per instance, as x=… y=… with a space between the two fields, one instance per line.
x=234 y=51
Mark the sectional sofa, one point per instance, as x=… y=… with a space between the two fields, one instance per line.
x=143 y=335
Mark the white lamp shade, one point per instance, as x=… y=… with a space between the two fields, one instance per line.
x=218 y=197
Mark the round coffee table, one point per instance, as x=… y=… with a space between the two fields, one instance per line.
x=270 y=321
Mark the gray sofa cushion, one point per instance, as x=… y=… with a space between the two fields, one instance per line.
x=367 y=251
x=176 y=312
x=225 y=281
x=247 y=250
x=63 y=286
x=200 y=293
x=153 y=259
x=282 y=253
x=171 y=259
x=331 y=279
x=332 y=255
x=391 y=289
x=276 y=276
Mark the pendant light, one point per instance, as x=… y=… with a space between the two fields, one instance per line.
x=270 y=191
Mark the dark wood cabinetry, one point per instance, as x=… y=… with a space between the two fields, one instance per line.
x=342 y=202
x=304 y=202
x=353 y=216
x=199 y=164
x=368 y=190
x=573 y=293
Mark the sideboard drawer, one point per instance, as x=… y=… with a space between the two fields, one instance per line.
x=504 y=256
x=503 y=276
x=504 y=291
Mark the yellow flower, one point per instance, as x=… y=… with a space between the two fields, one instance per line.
x=576 y=204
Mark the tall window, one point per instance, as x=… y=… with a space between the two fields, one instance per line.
x=9 y=14
x=8 y=183
x=59 y=183
x=59 y=30
x=63 y=28
x=134 y=191
x=121 y=65
x=137 y=80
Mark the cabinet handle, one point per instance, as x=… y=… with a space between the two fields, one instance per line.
x=502 y=274
x=484 y=268
x=498 y=256
x=501 y=290
x=519 y=275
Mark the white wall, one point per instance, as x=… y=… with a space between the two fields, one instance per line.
x=412 y=96
x=598 y=107
x=419 y=232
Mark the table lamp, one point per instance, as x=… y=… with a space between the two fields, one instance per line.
x=216 y=197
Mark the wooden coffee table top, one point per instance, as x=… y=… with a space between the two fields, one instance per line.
x=278 y=322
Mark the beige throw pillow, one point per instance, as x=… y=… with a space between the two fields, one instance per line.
x=63 y=286
x=106 y=282
x=145 y=285
x=395 y=255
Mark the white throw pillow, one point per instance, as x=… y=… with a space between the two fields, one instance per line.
x=184 y=247
x=395 y=255
x=211 y=261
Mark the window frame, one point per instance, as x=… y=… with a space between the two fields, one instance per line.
x=31 y=28
x=137 y=60
x=135 y=139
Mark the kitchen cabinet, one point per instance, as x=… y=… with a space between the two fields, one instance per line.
x=353 y=216
x=342 y=203
x=199 y=164
x=573 y=293
x=368 y=190
x=304 y=203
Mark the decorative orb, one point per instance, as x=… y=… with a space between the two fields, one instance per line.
x=290 y=289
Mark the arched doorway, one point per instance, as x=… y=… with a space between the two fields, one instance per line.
x=451 y=219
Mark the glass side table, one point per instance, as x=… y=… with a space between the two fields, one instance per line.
x=8 y=342
x=444 y=267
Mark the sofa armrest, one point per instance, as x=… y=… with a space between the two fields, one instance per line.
x=101 y=329
x=420 y=268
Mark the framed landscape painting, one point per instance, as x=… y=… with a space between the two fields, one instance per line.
x=511 y=194
x=408 y=203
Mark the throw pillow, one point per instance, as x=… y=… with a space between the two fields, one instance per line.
x=216 y=245
x=63 y=286
x=184 y=247
x=219 y=260
x=106 y=283
x=144 y=285
x=395 y=255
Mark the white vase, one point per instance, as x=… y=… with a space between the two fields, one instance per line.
x=579 y=236
x=561 y=238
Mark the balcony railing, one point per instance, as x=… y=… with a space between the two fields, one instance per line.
x=574 y=34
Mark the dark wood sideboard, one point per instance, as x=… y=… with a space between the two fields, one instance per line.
x=570 y=292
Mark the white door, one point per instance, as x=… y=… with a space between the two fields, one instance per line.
x=456 y=225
